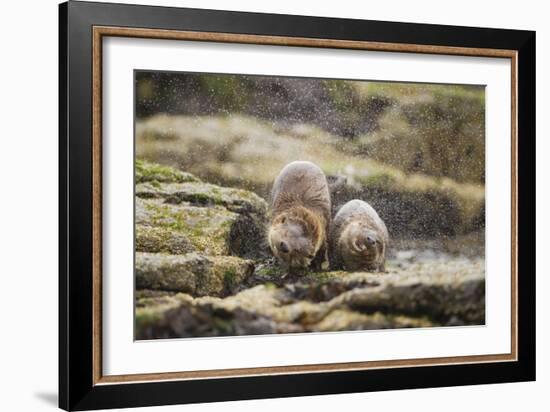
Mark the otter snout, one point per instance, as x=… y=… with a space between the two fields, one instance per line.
x=291 y=245
x=364 y=241
x=283 y=247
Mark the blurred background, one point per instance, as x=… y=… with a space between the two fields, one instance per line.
x=416 y=152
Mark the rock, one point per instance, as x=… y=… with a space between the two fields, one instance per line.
x=148 y=297
x=440 y=301
x=419 y=206
x=248 y=153
x=441 y=134
x=194 y=277
x=162 y=227
x=161 y=239
x=192 y=321
x=446 y=292
x=342 y=320
x=422 y=118
x=192 y=273
x=204 y=194
x=422 y=291
x=198 y=216
x=153 y=172
x=184 y=227
x=152 y=308
x=256 y=311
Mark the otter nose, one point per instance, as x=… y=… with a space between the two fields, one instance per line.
x=370 y=240
x=283 y=247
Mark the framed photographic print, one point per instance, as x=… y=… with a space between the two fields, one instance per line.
x=257 y=205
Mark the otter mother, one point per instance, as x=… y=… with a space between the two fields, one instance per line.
x=300 y=216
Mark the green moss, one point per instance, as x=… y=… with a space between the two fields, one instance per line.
x=162 y=240
x=230 y=278
x=430 y=204
x=154 y=173
x=323 y=277
x=342 y=94
x=222 y=326
x=224 y=275
x=415 y=92
x=150 y=315
x=381 y=180
x=201 y=199
x=383 y=183
x=229 y=92
x=270 y=271
x=207 y=229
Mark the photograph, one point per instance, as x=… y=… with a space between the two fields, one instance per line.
x=260 y=205
x=279 y=205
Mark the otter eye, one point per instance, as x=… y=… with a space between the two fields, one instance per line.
x=283 y=220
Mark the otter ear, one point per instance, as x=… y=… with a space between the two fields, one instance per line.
x=283 y=220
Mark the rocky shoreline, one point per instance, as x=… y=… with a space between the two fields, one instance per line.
x=203 y=269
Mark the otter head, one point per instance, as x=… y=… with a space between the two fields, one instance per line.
x=361 y=247
x=291 y=241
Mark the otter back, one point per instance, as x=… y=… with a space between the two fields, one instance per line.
x=301 y=184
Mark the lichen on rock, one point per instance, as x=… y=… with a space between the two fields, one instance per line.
x=204 y=194
x=153 y=172
x=191 y=273
x=420 y=297
x=205 y=229
x=161 y=239
x=211 y=219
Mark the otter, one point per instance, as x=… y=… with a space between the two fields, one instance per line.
x=358 y=238
x=300 y=216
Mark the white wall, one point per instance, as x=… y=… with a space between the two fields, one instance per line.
x=28 y=202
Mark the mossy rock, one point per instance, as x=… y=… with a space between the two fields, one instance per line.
x=215 y=220
x=343 y=320
x=211 y=230
x=193 y=273
x=419 y=206
x=249 y=153
x=204 y=194
x=448 y=292
x=152 y=306
x=162 y=227
x=149 y=297
x=422 y=293
x=162 y=239
x=153 y=172
x=433 y=130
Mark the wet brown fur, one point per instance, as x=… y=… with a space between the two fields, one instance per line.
x=353 y=220
x=301 y=197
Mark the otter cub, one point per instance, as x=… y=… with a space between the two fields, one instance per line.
x=358 y=238
x=300 y=215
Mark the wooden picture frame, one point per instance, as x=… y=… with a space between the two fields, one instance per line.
x=81 y=382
